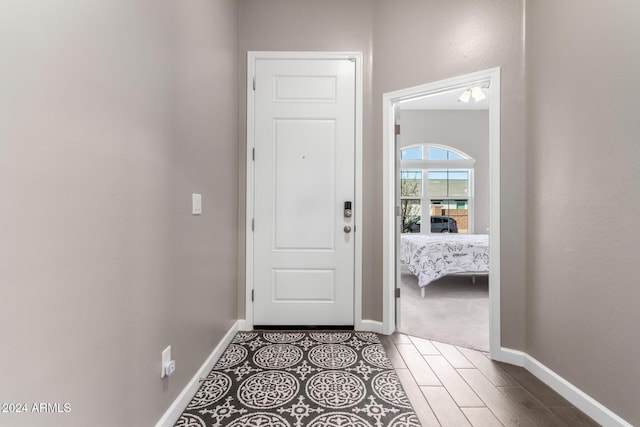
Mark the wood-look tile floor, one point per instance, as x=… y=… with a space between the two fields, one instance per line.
x=455 y=386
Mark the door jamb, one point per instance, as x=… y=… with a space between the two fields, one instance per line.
x=252 y=57
x=388 y=155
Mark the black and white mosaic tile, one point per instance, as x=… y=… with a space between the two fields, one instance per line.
x=296 y=379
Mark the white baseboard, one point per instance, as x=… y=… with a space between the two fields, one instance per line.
x=370 y=326
x=512 y=357
x=175 y=410
x=244 y=325
x=573 y=394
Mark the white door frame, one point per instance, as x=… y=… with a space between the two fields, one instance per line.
x=492 y=76
x=252 y=56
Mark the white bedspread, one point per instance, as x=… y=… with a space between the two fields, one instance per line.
x=432 y=256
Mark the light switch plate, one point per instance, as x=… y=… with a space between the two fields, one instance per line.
x=196 y=204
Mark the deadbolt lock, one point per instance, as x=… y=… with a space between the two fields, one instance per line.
x=347 y=209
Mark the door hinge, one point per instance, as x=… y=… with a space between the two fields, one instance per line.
x=253 y=225
x=397 y=129
x=398 y=211
x=254 y=83
x=252 y=295
x=253 y=154
x=397 y=292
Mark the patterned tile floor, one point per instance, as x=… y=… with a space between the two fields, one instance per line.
x=295 y=379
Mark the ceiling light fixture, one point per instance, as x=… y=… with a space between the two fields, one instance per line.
x=478 y=94
x=475 y=92
x=465 y=97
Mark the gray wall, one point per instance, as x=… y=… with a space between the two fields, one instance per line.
x=406 y=43
x=466 y=130
x=583 y=200
x=112 y=112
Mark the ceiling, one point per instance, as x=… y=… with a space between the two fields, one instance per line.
x=446 y=101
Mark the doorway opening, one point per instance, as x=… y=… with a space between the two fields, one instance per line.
x=450 y=169
x=444 y=222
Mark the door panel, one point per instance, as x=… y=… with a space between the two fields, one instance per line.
x=304 y=117
x=304 y=285
x=398 y=222
x=305 y=89
x=304 y=219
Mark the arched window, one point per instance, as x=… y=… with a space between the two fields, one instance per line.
x=436 y=180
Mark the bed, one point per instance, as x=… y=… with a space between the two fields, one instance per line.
x=432 y=256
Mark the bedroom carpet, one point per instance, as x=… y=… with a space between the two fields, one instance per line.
x=295 y=379
x=454 y=310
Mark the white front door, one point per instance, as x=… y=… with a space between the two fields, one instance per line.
x=304 y=125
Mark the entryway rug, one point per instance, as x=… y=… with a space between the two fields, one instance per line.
x=295 y=379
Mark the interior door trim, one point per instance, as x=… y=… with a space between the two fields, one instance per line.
x=252 y=57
